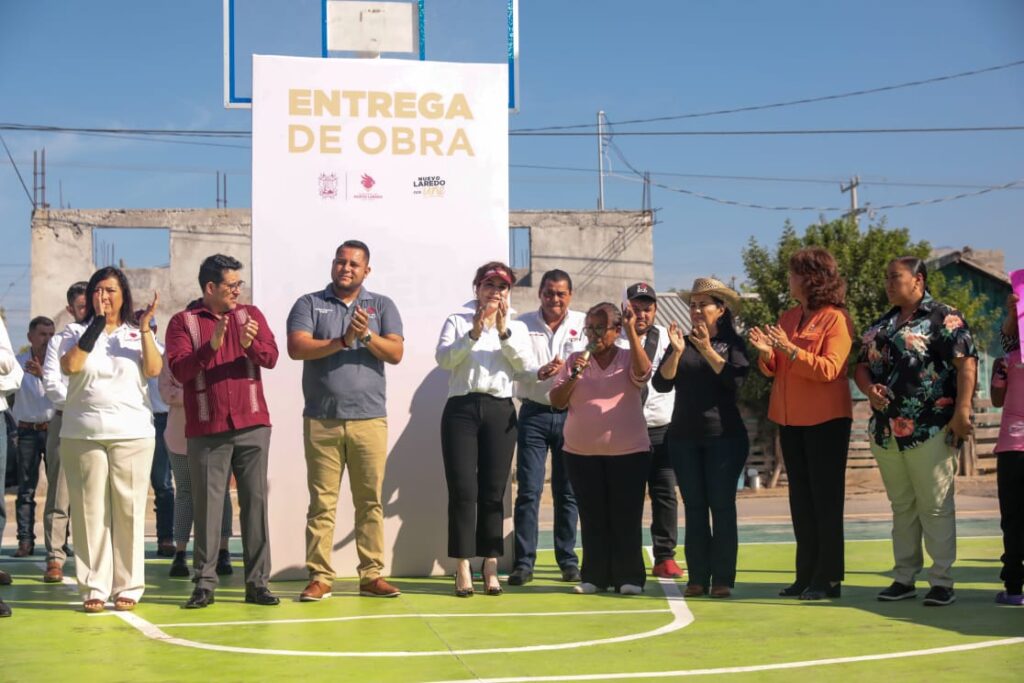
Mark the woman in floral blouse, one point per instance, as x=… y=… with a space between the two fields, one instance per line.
x=918 y=368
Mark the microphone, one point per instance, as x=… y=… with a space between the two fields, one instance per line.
x=585 y=356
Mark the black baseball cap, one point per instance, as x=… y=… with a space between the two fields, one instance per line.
x=641 y=290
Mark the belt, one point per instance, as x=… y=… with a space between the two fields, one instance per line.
x=60 y=413
x=37 y=426
x=542 y=407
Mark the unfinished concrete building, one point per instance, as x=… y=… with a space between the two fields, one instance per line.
x=63 y=252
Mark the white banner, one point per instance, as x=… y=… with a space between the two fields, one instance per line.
x=411 y=158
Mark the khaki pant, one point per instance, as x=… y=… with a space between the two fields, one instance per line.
x=107 y=483
x=56 y=511
x=919 y=484
x=330 y=446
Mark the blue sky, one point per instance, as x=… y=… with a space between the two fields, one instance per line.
x=155 y=65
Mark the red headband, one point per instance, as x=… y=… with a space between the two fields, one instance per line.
x=497 y=272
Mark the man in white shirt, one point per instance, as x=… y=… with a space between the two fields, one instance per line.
x=661 y=482
x=33 y=412
x=10 y=380
x=57 y=509
x=555 y=332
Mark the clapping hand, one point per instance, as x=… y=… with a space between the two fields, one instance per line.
x=501 y=317
x=147 y=316
x=249 y=332
x=700 y=337
x=550 y=369
x=219 y=331
x=760 y=340
x=33 y=367
x=676 y=338
x=777 y=336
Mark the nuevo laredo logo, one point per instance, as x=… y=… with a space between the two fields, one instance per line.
x=368 y=183
x=429 y=186
x=328 y=185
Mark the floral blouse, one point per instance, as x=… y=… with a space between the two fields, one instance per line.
x=915 y=361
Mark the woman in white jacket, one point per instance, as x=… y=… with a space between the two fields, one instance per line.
x=482 y=348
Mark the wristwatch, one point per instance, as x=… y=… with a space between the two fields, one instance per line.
x=505 y=335
x=366 y=339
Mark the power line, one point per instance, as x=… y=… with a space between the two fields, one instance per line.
x=793 y=131
x=15 y=166
x=787 y=103
x=770 y=179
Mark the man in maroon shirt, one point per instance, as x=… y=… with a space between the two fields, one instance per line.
x=215 y=348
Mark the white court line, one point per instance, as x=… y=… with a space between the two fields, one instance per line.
x=750 y=669
x=681 y=618
x=275 y=622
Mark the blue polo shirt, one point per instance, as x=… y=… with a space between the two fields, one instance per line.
x=349 y=384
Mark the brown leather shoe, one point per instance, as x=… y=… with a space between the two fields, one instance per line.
x=693 y=590
x=5 y=578
x=315 y=592
x=54 y=572
x=720 y=591
x=378 y=588
x=25 y=548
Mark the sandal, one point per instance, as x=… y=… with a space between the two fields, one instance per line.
x=124 y=604
x=93 y=606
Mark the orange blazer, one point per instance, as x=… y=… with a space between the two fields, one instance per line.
x=813 y=387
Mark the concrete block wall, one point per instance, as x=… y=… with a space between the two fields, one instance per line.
x=603 y=251
x=62 y=253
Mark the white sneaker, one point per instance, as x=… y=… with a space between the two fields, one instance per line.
x=630 y=589
x=584 y=588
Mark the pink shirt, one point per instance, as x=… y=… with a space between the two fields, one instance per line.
x=606 y=416
x=173 y=395
x=1011 y=429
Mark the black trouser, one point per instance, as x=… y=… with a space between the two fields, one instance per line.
x=212 y=460
x=610 y=495
x=1010 y=479
x=31 y=451
x=661 y=488
x=478 y=437
x=815 y=458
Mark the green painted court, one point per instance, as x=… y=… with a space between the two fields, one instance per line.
x=537 y=632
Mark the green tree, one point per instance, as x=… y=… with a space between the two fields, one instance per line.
x=862 y=257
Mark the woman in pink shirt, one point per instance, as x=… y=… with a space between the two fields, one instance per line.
x=607 y=450
x=1008 y=392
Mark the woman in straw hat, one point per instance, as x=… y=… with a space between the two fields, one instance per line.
x=806 y=354
x=707 y=439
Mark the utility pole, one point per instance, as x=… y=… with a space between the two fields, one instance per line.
x=854 y=209
x=226 y=183
x=600 y=161
x=217 y=186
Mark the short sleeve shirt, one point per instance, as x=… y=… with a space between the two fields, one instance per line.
x=915 y=361
x=349 y=384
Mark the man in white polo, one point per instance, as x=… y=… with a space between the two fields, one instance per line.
x=344 y=335
x=555 y=332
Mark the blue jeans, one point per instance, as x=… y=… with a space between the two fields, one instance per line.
x=160 y=480
x=540 y=428
x=707 y=470
x=31 y=448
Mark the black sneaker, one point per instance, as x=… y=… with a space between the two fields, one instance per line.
x=571 y=574
x=5 y=609
x=178 y=567
x=898 y=591
x=939 y=596
x=520 y=576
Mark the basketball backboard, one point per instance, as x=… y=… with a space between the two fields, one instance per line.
x=484 y=31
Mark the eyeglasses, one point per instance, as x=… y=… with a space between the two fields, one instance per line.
x=234 y=286
x=596 y=331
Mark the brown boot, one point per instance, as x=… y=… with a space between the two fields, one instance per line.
x=54 y=572
x=25 y=548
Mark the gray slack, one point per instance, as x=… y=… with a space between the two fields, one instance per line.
x=57 y=509
x=212 y=459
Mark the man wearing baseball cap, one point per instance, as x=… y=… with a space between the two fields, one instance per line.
x=661 y=481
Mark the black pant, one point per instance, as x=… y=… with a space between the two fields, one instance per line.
x=1010 y=479
x=478 y=437
x=610 y=495
x=707 y=469
x=31 y=451
x=815 y=458
x=212 y=460
x=661 y=487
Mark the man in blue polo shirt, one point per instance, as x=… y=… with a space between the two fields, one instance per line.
x=345 y=334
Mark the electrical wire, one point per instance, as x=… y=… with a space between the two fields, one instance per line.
x=16 y=171
x=792 y=131
x=787 y=103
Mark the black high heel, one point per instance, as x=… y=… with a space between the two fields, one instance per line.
x=793 y=591
x=815 y=593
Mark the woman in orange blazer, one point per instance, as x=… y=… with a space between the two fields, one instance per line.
x=806 y=354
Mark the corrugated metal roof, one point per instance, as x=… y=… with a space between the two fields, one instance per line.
x=672 y=309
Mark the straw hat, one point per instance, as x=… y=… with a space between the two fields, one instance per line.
x=715 y=288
